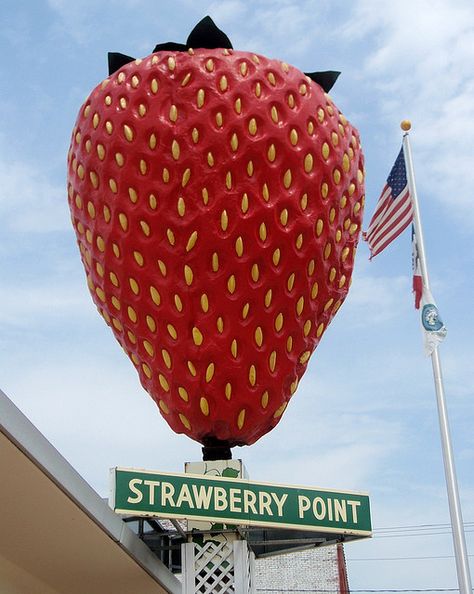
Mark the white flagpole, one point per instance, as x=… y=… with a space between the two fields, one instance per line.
x=460 y=551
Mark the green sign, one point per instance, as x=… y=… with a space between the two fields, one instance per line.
x=238 y=501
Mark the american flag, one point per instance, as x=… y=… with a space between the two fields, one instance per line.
x=394 y=211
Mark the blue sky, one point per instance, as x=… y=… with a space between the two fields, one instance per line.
x=364 y=416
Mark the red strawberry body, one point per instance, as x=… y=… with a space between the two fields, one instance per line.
x=217 y=199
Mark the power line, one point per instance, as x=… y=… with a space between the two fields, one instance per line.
x=298 y=590
x=418 y=530
x=403 y=558
x=419 y=526
x=416 y=534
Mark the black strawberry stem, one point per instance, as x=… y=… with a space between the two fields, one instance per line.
x=206 y=35
x=215 y=449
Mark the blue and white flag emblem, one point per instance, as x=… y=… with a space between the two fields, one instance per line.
x=434 y=331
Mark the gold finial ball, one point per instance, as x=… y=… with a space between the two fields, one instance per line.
x=405 y=125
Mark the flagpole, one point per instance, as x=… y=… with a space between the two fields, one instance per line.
x=460 y=551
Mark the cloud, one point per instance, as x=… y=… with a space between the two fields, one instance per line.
x=459 y=384
x=22 y=306
x=285 y=30
x=107 y=419
x=74 y=18
x=376 y=298
x=307 y=437
x=226 y=13
x=421 y=68
x=29 y=201
x=84 y=20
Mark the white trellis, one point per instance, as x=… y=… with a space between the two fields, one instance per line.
x=225 y=567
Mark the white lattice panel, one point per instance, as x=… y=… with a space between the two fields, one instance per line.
x=224 y=567
x=214 y=568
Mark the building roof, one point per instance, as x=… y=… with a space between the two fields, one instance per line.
x=57 y=534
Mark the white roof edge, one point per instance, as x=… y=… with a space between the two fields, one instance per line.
x=16 y=426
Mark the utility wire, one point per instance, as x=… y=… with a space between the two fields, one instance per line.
x=418 y=530
x=403 y=558
x=298 y=590
x=419 y=527
x=412 y=530
x=406 y=535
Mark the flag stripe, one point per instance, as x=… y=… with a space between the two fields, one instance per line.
x=398 y=222
x=398 y=210
x=384 y=241
x=400 y=214
x=382 y=206
x=390 y=207
x=388 y=238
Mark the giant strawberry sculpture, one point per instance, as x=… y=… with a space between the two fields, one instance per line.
x=217 y=198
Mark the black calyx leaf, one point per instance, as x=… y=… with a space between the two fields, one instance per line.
x=116 y=61
x=170 y=46
x=207 y=35
x=325 y=79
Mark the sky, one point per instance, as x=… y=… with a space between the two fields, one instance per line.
x=364 y=416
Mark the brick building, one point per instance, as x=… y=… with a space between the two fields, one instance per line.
x=320 y=569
